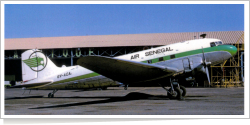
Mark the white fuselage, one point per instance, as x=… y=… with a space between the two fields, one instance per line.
x=79 y=77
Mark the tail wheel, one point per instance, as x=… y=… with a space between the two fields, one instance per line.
x=50 y=95
x=176 y=94
x=183 y=90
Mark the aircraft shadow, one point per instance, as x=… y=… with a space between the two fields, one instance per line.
x=24 y=97
x=92 y=90
x=129 y=97
x=108 y=99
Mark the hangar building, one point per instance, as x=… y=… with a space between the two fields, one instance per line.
x=66 y=51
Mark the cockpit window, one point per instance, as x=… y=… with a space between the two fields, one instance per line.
x=212 y=44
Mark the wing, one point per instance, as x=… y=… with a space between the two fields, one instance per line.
x=125 y=71
x=32 y=85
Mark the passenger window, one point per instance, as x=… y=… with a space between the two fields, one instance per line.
x=161 y=59
x=172 y=56
x=212 y=44
x=149 y=61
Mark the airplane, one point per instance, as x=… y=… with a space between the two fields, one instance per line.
x=159 y=65
x=164 y=65
x=39 y=72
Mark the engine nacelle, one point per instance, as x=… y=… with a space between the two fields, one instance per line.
x=191 y=66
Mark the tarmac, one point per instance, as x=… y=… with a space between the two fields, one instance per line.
x=117 y=101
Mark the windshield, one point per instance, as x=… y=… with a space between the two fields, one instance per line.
x=212 y=44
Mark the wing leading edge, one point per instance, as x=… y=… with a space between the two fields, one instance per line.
x=125 y=71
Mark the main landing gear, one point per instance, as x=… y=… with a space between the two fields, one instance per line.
x=176 y=91
x=51 y=95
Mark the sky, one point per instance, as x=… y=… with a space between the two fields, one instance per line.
x=54 y=20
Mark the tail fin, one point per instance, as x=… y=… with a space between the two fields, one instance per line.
x=36 y=65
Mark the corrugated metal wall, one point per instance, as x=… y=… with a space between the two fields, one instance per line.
x=155 y=39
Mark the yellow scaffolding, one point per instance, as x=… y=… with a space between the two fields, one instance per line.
x=228 y=73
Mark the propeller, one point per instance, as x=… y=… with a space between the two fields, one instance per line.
x=205 y=64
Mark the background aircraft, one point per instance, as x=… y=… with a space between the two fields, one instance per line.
x=169 y=64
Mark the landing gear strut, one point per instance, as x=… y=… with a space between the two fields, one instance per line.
x=126 y=87
x=51 y=95
x=176 y=91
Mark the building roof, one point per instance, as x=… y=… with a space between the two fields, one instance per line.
x=154 y=39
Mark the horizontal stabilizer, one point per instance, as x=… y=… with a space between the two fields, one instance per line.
x=32 y=85
x=125 y=71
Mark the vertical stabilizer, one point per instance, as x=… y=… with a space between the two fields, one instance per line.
x=35 y=65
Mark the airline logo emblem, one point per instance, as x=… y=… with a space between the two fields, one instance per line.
x=34 y=62
x=37 y=61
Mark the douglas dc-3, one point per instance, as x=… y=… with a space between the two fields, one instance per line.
x=161 y=65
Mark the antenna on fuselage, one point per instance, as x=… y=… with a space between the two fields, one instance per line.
x=203 y=35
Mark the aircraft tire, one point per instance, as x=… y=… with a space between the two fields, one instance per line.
x=49 y=95
x=183 y=90
x=177 y=94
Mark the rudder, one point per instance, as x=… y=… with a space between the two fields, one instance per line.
x=36 y=65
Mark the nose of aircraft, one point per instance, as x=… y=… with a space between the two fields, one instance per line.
x=229 y=48
x=232 y=49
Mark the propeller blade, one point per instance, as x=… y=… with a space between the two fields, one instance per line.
x=208 y=78
x=205 y=63
x=204 y=58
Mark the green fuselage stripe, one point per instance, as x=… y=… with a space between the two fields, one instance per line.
x=78 y=77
